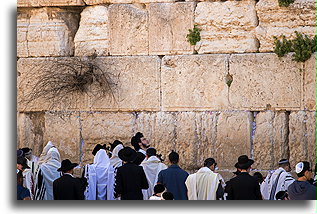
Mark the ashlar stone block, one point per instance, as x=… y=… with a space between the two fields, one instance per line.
x=92 y=36
x=128 y=29
x=302 y=137
x=194 y=82
x=64 y=130
x=264 y=81
x=226 y=27
x=38 y=3
x=270 y=141
x=309 y=90
x=168 y=27
x=234 y=130
x=299 y=16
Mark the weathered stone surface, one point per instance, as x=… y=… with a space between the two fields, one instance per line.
x=309 y=90
x=227 y=27
x=159 y=128
x=92 y=36
x=205 y=88
x=49 y=32
x=233 y=137
x=263 y=81
x=95 y=2
x=128 y=30
x=104 y=128
x=270 y=143
x=302 y=137
x=30 y=131
x=168 y=27
x=137 y=79
x=64 y=130
x=39 y=3
x=23 y=21
x=299 y=16
x=30 y=72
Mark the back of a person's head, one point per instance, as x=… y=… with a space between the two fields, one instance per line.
x=283 y=163
x=151 y=152
x=159 y=188
x=209 y=162
x=139 y=158
x=173 y=157
x=135 y=143
x=114 y=144
x=168 y=196
x=258 y=176
x=301 y=168
x=23 y=162
x=96 y=149
x=26 y=150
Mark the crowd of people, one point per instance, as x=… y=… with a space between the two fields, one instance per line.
x=138 y=173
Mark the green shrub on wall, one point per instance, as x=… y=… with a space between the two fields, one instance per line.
x=285 y=3
x=194 y=35
x=302 y=46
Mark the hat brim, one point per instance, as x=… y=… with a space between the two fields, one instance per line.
x=123 y=157
x=245 y=165
x=66 y=168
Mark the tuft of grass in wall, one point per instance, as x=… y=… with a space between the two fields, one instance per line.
x=194 y=35
x=285 y=3
x=302 y=46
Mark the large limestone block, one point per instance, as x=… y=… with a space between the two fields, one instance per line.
x=104 y=128
x=31 y=73
x=92 y=36
x=30 y=131
x=227 y=26
x=64 y=130
x=23 y=21
x=128 y=30
x=233 y=137
x=168 y=27
x=263 y=81
x=302 y=137
x=159 y=128
x=309 y=90
x=50 y=32
x=299 y=16
x=38 y=3
x=137 y=84
x=270 y=143
x=96 y=2
x=194 y=82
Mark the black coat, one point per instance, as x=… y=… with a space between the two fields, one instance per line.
x=243 y=187
x=130 y=180
x=68 y=188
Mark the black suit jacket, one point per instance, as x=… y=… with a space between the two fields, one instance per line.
x=130 y=180
x=68 y=188
x=243 y=187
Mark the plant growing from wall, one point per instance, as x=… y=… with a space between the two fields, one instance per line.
x=302 y=46
x=285 y=3
x=59 y=80
x=194 y=35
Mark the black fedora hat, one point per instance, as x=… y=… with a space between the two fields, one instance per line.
x=244 y=162
x=67 y=165
x=127 y=154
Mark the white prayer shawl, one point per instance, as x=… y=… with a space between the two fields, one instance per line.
x=48 y=169
x=151 y=166
x=43 y=155
x=284 y=181
x=100 y=177
x=28 y=181
x=115 y=161
x=202 y=185
x=142 y=151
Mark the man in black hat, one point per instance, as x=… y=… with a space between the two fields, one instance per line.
x=68 y=187
x=130 y=178
x=243 y=186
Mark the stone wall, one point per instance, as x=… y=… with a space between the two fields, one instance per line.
x=177 y=98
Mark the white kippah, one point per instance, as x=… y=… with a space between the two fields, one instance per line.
x=299 y=167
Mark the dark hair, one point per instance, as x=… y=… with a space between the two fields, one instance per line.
x=209 y=161
x=151 y=152
x=114 y=144
x=135 y=140
x=139 y=158
x=258 y=176
x=96 y=149
x=159 y=188
x=20 y=178
x=281 y=195
x=173 y=157
x=26 y=149
x=168 y=196
x=23 y=162
x=305 y=168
